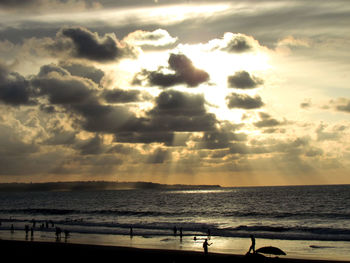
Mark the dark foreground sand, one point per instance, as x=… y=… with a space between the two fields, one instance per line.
x=13 y=251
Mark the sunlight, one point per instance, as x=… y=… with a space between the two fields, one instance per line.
x=220 y=65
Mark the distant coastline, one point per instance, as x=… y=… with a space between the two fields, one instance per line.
x=94 y=186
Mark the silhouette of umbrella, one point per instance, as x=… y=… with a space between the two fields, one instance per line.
x=271 y=251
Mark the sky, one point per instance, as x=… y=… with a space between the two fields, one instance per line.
x=236 y=93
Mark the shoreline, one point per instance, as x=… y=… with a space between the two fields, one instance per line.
x=296 y=250
x=42 y=251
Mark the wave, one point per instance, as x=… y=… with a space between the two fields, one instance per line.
x=197 y=229
x=138 y=213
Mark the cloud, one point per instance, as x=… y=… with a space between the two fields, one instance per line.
x=124 y=96
x=323 y=135
x=234 y=43
x=82 y=43
x=48 y=5
x=157 y=38
x=146 y=137
x=84 y=71
x=293 y=42
x=61 y=137
x=159 y=156
x=242 y=101
x=343 y=105
x=106 y=118
x=219 y=139
x=306 y=104
x=92 y=146
x=12 y=144
x=47 y=69
x=243 y=80
x=173 y=102
x=14 y=89
x=174 y=113
x=17 y=3
x=185 y=73
x=266 y=121
x=62 y=88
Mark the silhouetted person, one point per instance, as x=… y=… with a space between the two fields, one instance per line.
x=66 y=235
x=58 y=233
x=252 y=246
x=31 y=234
x=26 y=228
x=208 y=233
x=175 y=230
x=131 y=232
x=180 y=232
x=12 y=229
x=205 y=246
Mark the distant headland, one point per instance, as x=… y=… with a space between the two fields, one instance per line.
x=94 y=186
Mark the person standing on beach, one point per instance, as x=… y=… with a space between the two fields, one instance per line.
x=175 y=230
x=205 y=246
x=252 y=246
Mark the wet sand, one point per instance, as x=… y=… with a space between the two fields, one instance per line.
x=67 y=252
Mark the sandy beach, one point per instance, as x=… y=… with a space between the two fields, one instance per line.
x=44 y=251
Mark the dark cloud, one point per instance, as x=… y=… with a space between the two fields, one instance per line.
x=238 y=43
x=91 y=146
x=345 y=106
x=185 y=73
x=274 y=130
x=47 y=69
x=61 y=138
x=17 y=3
x=122 y=149
x=174 y=112
x=82 y=43
x=84 y=71
x=220 y=139
x=14 y=89
x=11 y=143
x=47 y=108
x=306 y=104
x=159 y=156
x=106 y=118
x=14 y=4
x=64 y=90
x=243 y=80
x=314 y=152
x=266 y=121
x=323 y=135
x=175 y=103
x=123 y=96
x=145 y=137
x=243 y=101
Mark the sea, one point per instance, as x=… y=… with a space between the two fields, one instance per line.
x=304 y=221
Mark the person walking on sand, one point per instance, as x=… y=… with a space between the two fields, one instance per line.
x=252 y=246
x=205 y=246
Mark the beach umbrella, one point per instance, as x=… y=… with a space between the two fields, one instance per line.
x=270 y=251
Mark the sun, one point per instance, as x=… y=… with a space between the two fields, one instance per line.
x=219 y=65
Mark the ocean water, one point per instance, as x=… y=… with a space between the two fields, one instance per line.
x=317 y=218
